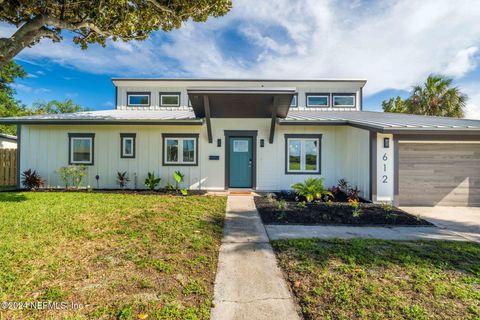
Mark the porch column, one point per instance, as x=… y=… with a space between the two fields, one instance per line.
x=206 y=104
x=274 y=119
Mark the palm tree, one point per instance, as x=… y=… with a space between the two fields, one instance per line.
x=436 y=97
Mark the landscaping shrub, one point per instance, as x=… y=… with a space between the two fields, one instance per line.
x=343 y=186
x=281 y=205
x=386 y=206
x=311 y=189
x=271 y=197
x=31 y=180
x=122 y=179
x=353 y=193
x=73 y=174
x=151 y=182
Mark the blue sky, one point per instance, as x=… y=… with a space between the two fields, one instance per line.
x=392 y=44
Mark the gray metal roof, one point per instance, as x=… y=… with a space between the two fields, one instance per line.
x=244 y=79
x=111 y=116
x=375 y=121
x=381 y=121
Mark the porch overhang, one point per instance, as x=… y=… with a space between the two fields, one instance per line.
x=261 y=102
x=241 y=103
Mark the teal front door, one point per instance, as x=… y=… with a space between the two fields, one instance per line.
x=240 y=162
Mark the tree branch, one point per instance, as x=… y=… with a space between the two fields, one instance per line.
x=62 y=24
x=48 y=33
x=30 y=32
x=161 y=7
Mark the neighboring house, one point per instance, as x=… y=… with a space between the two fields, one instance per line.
x=259 y=134
x=8 y=141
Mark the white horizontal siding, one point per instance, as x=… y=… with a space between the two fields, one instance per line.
x=344 y=154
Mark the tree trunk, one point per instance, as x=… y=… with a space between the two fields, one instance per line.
x=29 y=33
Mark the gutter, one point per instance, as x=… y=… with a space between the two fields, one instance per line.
x=198 y=122
x=381 y=129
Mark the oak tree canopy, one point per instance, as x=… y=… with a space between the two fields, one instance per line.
x=94 y=21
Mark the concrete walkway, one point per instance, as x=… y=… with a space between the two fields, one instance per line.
x=276 y=232
x=249 y=284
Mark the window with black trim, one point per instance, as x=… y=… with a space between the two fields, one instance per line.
x=169 y=99
x=138 y=99
x=302 y=153
x=81 y=148
x=180 y=149
x=346 y=100
x=127 y=145
x=318 y=100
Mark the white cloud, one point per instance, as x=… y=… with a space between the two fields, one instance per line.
x=393 y=44
x=393 y=48
x=465 y=61
x=27 y=89
x=473 y=104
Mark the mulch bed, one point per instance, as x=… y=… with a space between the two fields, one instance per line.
x=333 y=213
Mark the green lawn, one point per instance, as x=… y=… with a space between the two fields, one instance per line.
x=118 y=255
x=374 y=279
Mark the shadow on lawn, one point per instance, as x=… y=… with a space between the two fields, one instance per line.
x=12 y=197
x=443 y=255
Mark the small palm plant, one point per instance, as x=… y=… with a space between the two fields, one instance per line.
x=151 y=182
x=311 y=189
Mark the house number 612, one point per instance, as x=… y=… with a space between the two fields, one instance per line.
x=384 y=177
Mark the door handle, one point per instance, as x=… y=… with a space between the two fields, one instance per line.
x=250 y=163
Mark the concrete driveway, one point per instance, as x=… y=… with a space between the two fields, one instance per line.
x=462 y=220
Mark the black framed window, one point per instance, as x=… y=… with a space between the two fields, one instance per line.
x=81 y=148
x=318 y=100
x=127 y=145
x=180 y=149
x=303 y=153
x=344 y=100
x=169 y=99
x=138 y=99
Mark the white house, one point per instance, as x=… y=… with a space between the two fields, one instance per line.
x=259 y=134
x=8 y=141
